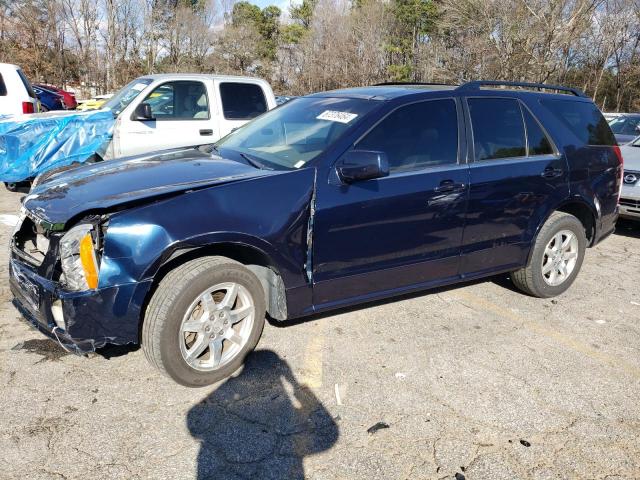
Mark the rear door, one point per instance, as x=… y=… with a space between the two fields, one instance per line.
x=181 y=117
x=378 y=236
x=239 y=102
x=516 y=177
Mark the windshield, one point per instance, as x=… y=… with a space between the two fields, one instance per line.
x=625 y=125
x=635 y=142
x=295 y=133
x=124 y=97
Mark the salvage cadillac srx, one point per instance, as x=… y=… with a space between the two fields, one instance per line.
x=330 y=200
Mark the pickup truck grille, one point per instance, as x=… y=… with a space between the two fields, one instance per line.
x=629 y=202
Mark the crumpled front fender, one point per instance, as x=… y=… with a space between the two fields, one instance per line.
x=269 y=214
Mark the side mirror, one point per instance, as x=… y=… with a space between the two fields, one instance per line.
x=356 y=165
x=638 y=128
x=143 y=112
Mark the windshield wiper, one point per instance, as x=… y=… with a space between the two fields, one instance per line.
x=253 y=161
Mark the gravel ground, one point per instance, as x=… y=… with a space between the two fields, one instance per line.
x=475 y=381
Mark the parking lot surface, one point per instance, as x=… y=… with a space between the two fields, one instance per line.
x=476 y=380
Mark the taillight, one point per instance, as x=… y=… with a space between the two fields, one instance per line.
x=618 y=153
x=27 y=107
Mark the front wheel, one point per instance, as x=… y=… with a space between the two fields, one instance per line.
x=203 y=320
x=557 y=256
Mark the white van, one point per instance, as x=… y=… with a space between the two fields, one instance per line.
x=16 y=95
x=157 y=112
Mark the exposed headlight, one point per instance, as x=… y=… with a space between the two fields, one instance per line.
x=78 y=258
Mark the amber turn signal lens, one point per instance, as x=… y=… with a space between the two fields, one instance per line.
x=88 y=260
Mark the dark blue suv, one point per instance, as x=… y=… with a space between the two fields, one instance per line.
x=330 y=200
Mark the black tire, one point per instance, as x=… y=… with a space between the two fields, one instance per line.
x=164 y=314
x=530 y=279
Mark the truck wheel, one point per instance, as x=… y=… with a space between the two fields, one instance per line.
x=203 y=319
x=557 y=256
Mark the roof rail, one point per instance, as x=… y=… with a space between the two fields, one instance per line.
x=411 y=83
x=477 y=84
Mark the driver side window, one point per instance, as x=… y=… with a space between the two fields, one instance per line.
x=181 y=100
x=417 y=136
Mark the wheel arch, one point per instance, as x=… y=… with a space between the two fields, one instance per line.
x=585 y=212
x=255 y=259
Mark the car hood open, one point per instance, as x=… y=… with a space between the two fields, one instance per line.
x=101 y=186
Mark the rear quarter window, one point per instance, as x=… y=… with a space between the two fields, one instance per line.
x=583 y=119
x=3 y=87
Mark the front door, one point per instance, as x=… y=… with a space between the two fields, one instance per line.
x=387 y=235
x=181 y=118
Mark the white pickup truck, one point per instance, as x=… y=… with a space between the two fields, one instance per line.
x=157 y=112
x=153 y=112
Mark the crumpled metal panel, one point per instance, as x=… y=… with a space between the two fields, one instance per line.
x=33 y=144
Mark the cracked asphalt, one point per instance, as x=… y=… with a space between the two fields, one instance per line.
x=476 y=381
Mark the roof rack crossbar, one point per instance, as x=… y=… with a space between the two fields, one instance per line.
x=477 y=84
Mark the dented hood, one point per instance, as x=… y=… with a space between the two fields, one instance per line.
x=109 y=184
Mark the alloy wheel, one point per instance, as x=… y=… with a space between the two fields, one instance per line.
x=560 y=257
x=216 y=326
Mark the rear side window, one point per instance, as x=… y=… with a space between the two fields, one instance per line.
x=538 y=142
x=583 y=119
x=417 y=136
x=3 y=87
x=242 y=101
x=26 y=83
x=498 y=129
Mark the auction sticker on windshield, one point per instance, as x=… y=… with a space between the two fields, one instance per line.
x=139 y=86
x=335 y=116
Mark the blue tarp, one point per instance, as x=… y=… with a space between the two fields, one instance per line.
x=33 y=144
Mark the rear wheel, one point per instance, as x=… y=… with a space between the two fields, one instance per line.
x=556 y=259
x=203 y=320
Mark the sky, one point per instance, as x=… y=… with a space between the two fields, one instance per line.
x=282 y=4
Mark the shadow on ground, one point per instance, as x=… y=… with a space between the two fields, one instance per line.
x=261 y=424
x=628 y=228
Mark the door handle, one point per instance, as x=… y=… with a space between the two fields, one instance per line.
x=206 y=132
x=447 y=186
x=551 y=172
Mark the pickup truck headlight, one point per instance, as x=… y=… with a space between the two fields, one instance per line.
x=78 y=258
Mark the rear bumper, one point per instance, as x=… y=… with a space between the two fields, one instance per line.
x=91 y=319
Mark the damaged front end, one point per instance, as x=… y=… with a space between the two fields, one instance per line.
x=54 y=277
